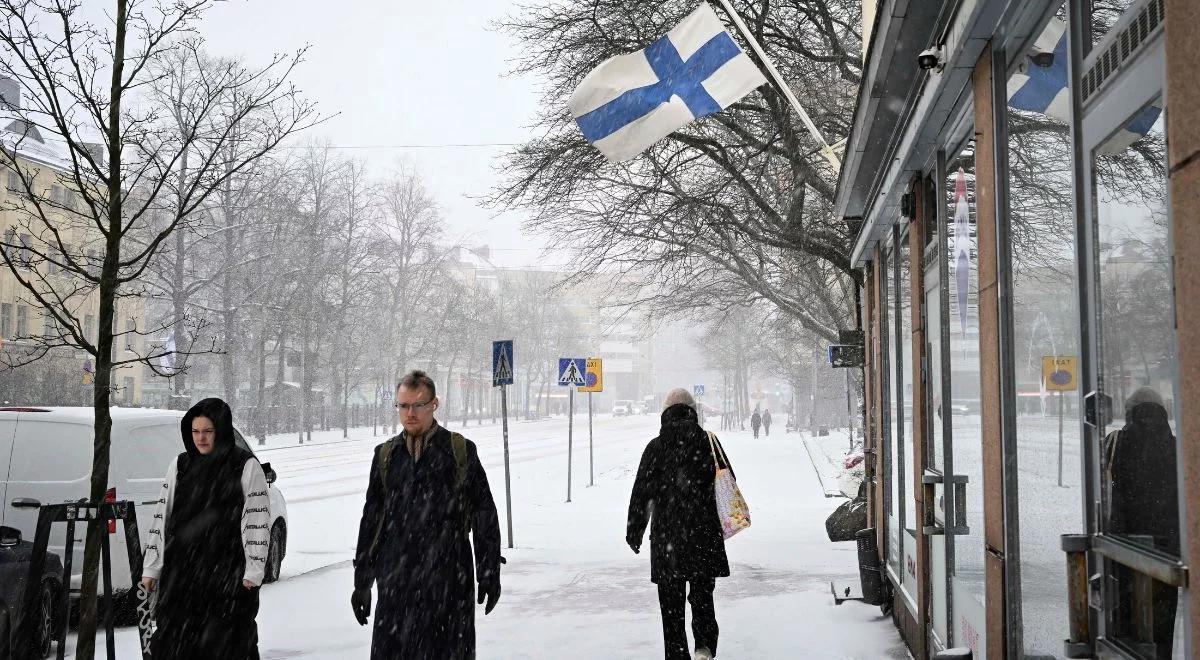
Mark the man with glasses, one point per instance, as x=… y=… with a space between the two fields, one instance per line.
x=428 y=502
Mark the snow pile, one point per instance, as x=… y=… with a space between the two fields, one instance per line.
x=838 y=469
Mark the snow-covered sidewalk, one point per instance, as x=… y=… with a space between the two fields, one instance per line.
x=828 y=454
x=571 y=586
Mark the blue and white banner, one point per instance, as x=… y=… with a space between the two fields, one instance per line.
x=631 y=101
x=1043 y=89
x=962 y=249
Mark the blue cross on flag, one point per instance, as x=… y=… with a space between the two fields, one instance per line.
x=631 y=101
x=1043 y=89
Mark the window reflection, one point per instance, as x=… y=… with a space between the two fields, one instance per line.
x=1105 y=14
x=1138 y=476
x=889 y=330
x=1045 y=325
x=961 y=404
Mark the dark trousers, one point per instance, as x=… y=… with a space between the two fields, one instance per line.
x=699 y=593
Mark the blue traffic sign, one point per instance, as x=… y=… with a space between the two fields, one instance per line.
x=572 y=371
x=502 y=362
x=697 y=390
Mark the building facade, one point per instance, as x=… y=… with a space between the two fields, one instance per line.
x=61 y=374
x=1027 y=183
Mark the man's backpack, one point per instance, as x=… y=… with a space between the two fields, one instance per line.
x=458 y=444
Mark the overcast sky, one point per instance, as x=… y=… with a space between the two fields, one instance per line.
x=402 y=73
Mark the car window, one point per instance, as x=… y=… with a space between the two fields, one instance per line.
x=51 y=451
x=141 y=456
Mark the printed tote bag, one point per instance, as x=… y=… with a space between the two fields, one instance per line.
x=731 y=506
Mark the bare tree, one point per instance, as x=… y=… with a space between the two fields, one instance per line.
x=740 y=201
x=121 y=154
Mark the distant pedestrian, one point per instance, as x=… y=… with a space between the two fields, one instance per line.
x=208 y=543
x=755 y=421
x=428 y=502
x=766 y=422
x=675 y=487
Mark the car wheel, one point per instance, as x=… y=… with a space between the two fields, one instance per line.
x=43 y=632
x=275 y=553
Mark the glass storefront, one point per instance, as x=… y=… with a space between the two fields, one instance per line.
x=1088 y=437
x=1136 y=372
x=904 y=423
x=961 y=408
x=891 y=395
x=1045 y=336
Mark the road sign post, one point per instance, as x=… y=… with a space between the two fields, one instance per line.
x=593 y=382
x=1060 y=373
x=502 y=377
x=571 y=373
x=507 y=476
x=591 y=452
x=570 y=431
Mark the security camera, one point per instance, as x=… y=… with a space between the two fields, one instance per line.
x=1043 y=59
x=930 y=58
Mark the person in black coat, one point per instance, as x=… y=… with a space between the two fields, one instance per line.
x=674 y=492
x=415 y=537
x=1138 y=461
x=208 y=542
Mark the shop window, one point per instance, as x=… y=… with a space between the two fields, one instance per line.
x=1045 y=313
x=904 y=420
x=1139 y=483
x=888 y=336
x=961 y=405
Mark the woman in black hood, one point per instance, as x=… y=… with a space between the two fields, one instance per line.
x=207 y=548
x=675 y=487
x=1139 y=466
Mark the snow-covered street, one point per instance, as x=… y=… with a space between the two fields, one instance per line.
x=571 y=585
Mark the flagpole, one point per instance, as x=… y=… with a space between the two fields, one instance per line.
x=783 y=86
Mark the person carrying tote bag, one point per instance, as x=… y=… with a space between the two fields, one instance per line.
x=732 y=509
x=674 y=493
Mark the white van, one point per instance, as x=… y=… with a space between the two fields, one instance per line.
x=46 y=458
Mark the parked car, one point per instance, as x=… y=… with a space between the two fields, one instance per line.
x=622 y=408
x=46 y=457
x=15 y=555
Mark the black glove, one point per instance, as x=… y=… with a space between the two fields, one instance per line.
x=489 y=590
x=360 y=600
x=635 y=543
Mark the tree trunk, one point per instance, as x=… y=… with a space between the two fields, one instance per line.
x=449 y=385
x=261 y=400
x=279 y=397
x=86 y=642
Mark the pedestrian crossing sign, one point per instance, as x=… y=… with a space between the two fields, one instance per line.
x=502 y=362
x=571 y=371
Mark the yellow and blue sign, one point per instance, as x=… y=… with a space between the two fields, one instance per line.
x=593 y=376
x=1060 y=373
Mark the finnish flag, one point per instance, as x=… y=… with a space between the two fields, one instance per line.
x=631 y=101
x=1043 y=89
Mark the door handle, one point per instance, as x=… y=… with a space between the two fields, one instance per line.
x=26 y=503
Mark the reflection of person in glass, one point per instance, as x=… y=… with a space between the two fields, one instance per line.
x=1138 y=462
